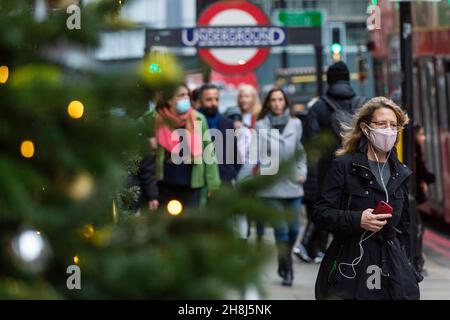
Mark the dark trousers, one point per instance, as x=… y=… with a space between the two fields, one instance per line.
x=314 y=239
x=189 y=197
x=418 y=230
x=260 y=228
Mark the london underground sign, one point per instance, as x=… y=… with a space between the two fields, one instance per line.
x=240 y=25
x=217 y=37
x=234 y=37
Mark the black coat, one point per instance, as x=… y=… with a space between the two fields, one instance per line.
x=422 y=175
x=351 y=188
x=318 y=122
x=318 y=118
x=228 y=155
x=145 y=178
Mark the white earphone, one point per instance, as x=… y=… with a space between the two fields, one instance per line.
x=358 y=259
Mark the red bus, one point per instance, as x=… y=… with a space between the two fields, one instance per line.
x=431 y=93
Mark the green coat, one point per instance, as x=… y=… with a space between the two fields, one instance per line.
x=203 y=174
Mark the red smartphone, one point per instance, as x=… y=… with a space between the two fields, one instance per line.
x=382 y=208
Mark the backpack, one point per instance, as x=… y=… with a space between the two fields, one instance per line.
x=341 y=116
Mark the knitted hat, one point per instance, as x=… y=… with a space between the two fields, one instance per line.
x=337 y=71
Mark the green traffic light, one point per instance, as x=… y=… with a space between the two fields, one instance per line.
x=375 y=2
x=336 y=48
x=154 y=68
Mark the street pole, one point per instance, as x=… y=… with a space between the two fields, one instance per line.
x=200 y=6
x=407 y=72
x=318 y=55
x=318 y=50
x=284 y=54
x=359 y=67
x=406 y=57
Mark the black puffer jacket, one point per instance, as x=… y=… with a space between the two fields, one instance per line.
x=351 y=188
x=319 y=115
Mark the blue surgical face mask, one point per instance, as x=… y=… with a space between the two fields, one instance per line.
x=183 y=106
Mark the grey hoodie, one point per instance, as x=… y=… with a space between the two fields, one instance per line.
x=289 y=142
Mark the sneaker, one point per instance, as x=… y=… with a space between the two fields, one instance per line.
x=301 y=253
x=319 y=257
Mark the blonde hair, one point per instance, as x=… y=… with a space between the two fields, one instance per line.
x=352 y=135
x=256 y=108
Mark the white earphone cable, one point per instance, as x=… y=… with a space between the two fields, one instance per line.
x=358 y=259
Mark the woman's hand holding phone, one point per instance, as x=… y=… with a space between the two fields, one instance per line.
x=373 y=222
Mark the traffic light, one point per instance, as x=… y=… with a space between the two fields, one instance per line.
x=336 y=46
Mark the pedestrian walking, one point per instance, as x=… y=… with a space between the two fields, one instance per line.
x=244 y=117
x=367 y=258
x=180 y=180
x=423 y=178
x=275 y=123
x=324 y=118
x=226 y=151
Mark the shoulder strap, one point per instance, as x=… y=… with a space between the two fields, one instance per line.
x=357 y=102
x=330 y=103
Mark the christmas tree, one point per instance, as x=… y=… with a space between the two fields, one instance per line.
x=68 y=133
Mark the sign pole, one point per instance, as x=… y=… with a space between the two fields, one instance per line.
x=407 y=74
x=200 y=6
x=284 y=54
x=409 y=146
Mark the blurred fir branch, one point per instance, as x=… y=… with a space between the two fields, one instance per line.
x=77 y=168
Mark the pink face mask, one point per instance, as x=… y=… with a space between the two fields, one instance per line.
x=382 y=139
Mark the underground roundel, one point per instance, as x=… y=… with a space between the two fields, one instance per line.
x=233 y=60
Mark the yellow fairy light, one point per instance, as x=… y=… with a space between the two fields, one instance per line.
x=4 y=74
x=81 y=186
x=76 y=260
x=27 y=149
x=115 y=212
x=75 y=109
x=88 y=231
x=174 y=207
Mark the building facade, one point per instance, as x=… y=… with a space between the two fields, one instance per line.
x=127 y=47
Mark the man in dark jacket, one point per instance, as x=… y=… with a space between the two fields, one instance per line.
x=318 y=131
x=226 y=151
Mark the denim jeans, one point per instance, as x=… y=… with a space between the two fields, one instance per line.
x=287 y=226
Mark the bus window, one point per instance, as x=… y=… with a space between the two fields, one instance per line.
x=424 y=94
x=441 y=98
x=417 y=102
x=447 y=78
x=434 y=135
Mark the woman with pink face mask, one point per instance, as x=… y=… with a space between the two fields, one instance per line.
x=369 y=255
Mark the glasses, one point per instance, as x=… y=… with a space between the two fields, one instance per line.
x=385 y=125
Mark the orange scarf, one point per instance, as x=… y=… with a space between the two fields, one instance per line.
x=167 y=122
